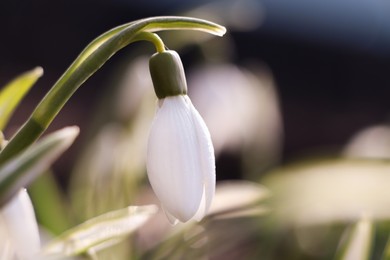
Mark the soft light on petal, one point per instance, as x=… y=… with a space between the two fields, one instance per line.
x=19 y=218
x=180 y=163
x=207 y=160
x=371 y=142
x=172 y=159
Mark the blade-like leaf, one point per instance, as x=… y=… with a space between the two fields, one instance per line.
x=357 y=243
x=88 y=62
x=49 y=204
x=238 y=199
x=14 y=91
x=386 y=252
x=25 y=167
x=330 y=191
x=111 y=226
x=103 y=47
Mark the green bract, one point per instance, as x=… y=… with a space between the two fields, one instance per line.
x=167 y=74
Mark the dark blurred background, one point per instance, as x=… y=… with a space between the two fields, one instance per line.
x=329 y=59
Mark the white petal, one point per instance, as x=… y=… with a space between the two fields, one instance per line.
x=22 y=227
x=6 y=249
x=207 y=160
x=173 y=159
x=202 y=207
x=169 y=216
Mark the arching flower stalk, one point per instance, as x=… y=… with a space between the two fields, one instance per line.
x=180 y=157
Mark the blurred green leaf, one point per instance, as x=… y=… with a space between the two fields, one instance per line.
x=238 y=199
x=25 y=167
x=357 y=243
x=330 y=191
x=386 y=252
x=106 y=229
x=14 y=91
x=49 y=204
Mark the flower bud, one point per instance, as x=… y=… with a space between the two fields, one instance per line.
x=180 y=158
x=167 y=74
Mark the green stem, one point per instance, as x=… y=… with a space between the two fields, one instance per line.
x=153 y=38
x=88 y=62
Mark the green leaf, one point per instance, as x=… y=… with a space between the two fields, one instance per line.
x=103 y=47
x=14 y=91
x=49 y=204
x=330 y=191
x=108 y=228
x=238 y=198
x=386 y=252
x=25 y=167
x=357 y=243
x=88 y=62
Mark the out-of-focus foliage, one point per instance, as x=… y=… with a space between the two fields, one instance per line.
x=330 y=191
x=357 y=242
x=111 y=170
x=51 y=211
x=312 y=209
x=104 y=230
x=24 y=168
x=18 y=227
x=12 y=93
x=241 y=108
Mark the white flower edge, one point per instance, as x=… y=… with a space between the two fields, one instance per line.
x=21 y=226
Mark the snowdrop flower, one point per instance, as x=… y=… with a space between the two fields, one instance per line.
x=180 y=157
x=19 y=236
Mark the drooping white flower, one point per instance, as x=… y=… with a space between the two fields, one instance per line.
x=180 y=157
x=19 y=234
